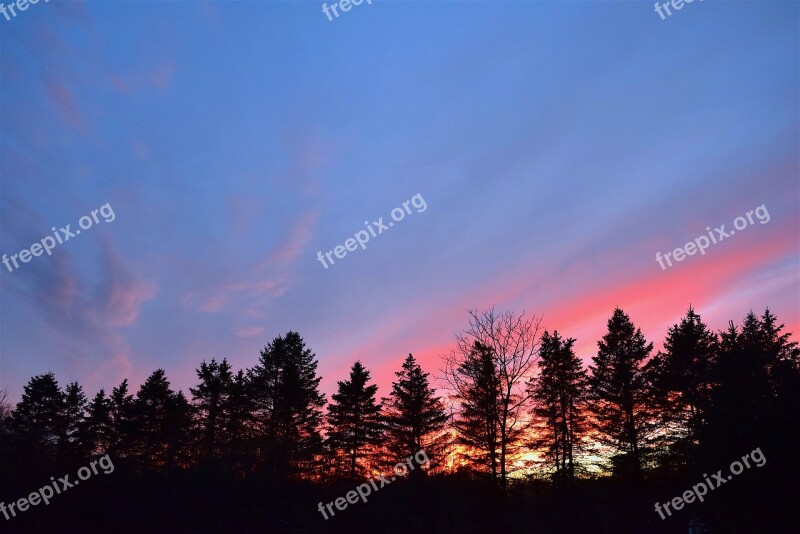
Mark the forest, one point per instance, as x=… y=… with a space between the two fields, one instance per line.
x=519 y=436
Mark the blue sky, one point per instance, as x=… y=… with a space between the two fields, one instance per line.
x=558 y=147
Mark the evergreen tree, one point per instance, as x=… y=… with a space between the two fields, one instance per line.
x=756 y=395
x=559 y=395
x=284 y=388
x=210 y=398
x=159 y=414
x=72 y=421
x=618 y=390
x=478 y=421
x=414 y=416
x=783 y=357
x=237 y=429
x=354 y=417
x=97 y=430
x=681 y=381
x=122 y=422
x=178 y=435
x=38 y=418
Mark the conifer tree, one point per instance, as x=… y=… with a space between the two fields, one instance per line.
x=98 y=430
x=354 y=417
x=559 y=394
x=618 y=389
x=38 y=418
x=121 y=406
x=415 y=417
x=238 y=427
x=210 y=399
x=477 y=422
x=284 y=388
x=681 y=381
x=756 y=395
x=72 y=421
x=160 y=415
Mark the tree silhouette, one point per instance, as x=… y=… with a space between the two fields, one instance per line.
x=618 y=390
x=477 y=392
x=123 y=422
x=38 y=418
x=287 y=406
x=211 y=398
x=5 y=414
x=97 y=429
x=415 y=416
x=72 y=421
x=354 y=417
x=178 y=431
x=756 y=395
x=682 y=383
x=560 y=395
x=160 y=417
x=238 y=424
x=704 y=400
x=513 y=342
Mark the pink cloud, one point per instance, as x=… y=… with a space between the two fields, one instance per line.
x=249 y=331
x=162 y=76
x=62 y=99
x=140 y=150
x=298 y=238
x=124 y=294
x=271 y=275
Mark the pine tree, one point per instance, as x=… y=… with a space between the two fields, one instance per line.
x=414 y=416
x=783 y=357
x=478 y=421
x=122 y=422
x=72 y=421
x=284 y=388
x=354 y=417
x=210 y=398
x=238 y=425
x=178 y=437
x=757 y=390
x=618 y=390
x=97 y=430
x=681 y=381
x=560 y=394
x=160 y=415
x=38 y=418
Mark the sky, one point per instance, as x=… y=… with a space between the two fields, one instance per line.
x=558 y=146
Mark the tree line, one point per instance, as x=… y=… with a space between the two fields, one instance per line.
x=514 y=396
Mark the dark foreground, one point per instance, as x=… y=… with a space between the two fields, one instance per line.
x=758 y=500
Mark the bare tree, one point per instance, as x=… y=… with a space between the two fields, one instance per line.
x=513 y=342
x=5 y=411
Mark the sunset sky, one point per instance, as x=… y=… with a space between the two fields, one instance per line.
x=558 y=146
